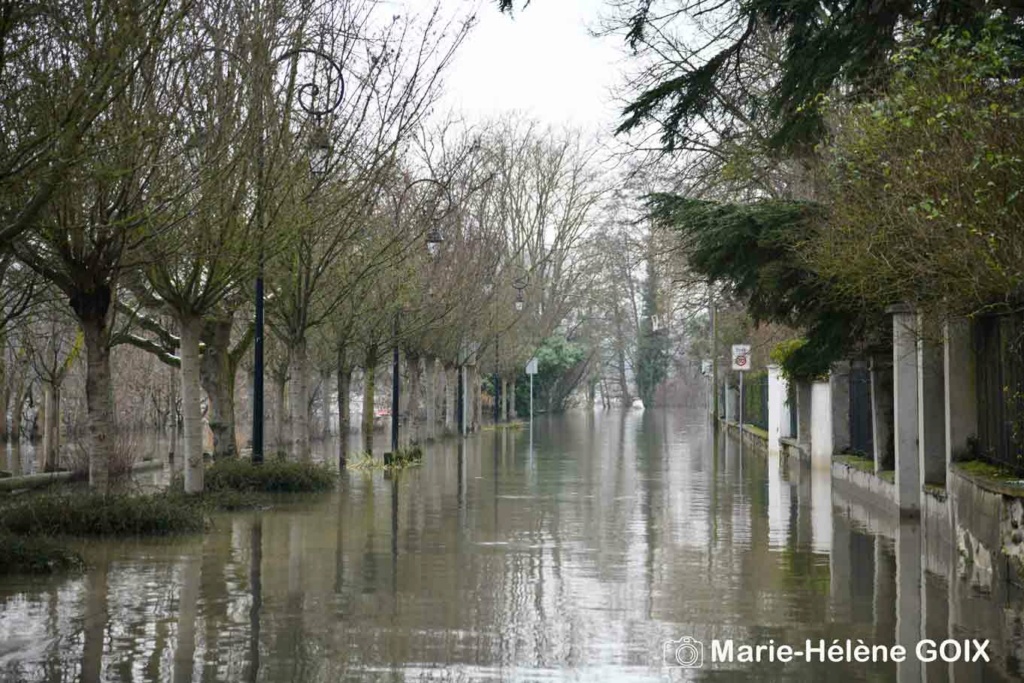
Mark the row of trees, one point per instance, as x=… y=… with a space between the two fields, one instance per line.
x=161 y=156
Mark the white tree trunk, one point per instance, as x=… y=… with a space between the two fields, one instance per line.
x=191 y=412
x=99 y=400
x=299 y=399
x=451 y=393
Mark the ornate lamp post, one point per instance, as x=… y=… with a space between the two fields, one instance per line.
x=434 y=240
x=318 y=99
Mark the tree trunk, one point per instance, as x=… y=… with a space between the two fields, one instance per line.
x=476 y=397
x=510 y=403
x=280 y=385
x=217 y=377
x=344 y=391
x=51 y=427
x=172 y=413
x=450 y=398
x=431 y=396
x=192 y=442
x=17 y=411
x=299 y=399
x=325 y=403
x=99 y=396
x=369 y=379
x=5 y=401
x=413 y=405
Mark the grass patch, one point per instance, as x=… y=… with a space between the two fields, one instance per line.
x=888 y=475
x=512 y=424
x=403 y=458
x=36 y=556
x=754 y=429
x=93 y=514
x=980 y=468
x=857 y=462
x=272 y=476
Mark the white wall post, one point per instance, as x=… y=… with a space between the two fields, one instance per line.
x=821 y=423
x=904 y=363
x=776 y=407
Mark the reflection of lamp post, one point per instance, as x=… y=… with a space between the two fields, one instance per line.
x=317 y=100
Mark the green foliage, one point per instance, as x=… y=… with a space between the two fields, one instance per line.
x=93 y=514
x=653 y=346
x=755 y=250
x=926 y=179
x=35 y=556
x=846 y=42
x=273 y=476
x=558 y=362
x=399 y=460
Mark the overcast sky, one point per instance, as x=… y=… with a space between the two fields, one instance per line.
x=541 y=61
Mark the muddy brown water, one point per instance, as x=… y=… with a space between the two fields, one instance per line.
x=581 y=552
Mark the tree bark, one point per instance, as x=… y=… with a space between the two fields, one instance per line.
x=450 y=398
x=17 y=411
x=216 y=374
x=99 y=396
x=430 y=370
x=5 y=400
x=325 y=403
x=369 y=379
x=344 y=391
x=191 y=331
x=299 y=399
x=51 y=427
x=413 y=405
x=281 y=412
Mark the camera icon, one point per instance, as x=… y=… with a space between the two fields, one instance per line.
x=685 y=653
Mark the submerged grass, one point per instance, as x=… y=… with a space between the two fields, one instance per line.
x=19 y=555
x=402 y=458
x=93 y=514
x=272 y=476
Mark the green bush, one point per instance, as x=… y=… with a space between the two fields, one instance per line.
x=272 y=476
x=92 y=514
x=35 y=556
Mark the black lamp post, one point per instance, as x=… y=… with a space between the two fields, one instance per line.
x=519 y=284
x=434 y=241
x=317 y=100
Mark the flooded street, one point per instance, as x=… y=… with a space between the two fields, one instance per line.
x=572 y=554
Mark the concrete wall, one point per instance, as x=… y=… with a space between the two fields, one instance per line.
x=778 y=415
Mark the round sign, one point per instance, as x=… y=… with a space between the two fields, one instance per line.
x=741 y=360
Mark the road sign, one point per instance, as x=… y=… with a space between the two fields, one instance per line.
x=705 y=366
x=741 y=357
x=531 y=367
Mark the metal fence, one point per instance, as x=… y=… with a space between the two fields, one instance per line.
x=755 y=399
x=1000 y=384
x=861 y=437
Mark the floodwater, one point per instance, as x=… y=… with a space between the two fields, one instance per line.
x=569 y=554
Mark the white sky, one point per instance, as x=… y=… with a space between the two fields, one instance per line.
x=541 y=61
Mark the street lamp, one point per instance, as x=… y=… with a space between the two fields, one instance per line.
x=520 y=284
x=434 y=240
x=319 y=152
x=317 y=100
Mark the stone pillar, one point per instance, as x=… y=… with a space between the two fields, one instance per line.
x=776 y=407
x=821 y=423
x=905 y=386
x=803 y=413
x=839 y=384
x=882 y=412
x=931 y=412
x=961 y=389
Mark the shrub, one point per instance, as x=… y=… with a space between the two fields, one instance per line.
x=35 y=556
x=272 y=476
x=92 y=514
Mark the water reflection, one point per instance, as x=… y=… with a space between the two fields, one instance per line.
x=571 y=552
